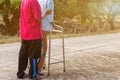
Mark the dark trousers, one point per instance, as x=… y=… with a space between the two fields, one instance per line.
x=29 y=49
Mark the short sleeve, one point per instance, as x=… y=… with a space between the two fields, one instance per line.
x=50 y=4
x=36 y=9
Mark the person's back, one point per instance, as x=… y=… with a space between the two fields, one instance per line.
x=46 y=26
x=31 y=36
x=30 y=28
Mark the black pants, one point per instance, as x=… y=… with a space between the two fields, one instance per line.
x=29 y=49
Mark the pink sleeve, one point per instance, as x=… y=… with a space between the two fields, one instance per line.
x=36 y=9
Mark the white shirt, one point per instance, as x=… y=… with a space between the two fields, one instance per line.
x=49 y=18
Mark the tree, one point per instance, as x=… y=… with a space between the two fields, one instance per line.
x=65 y=9
x=106 y=9
x=10 y=16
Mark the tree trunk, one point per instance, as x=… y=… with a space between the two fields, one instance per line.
x=11 y=24
x=6 y=5
x=112 y=24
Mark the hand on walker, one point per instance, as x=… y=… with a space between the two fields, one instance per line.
x=57 y=27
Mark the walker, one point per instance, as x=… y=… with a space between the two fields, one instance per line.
x=63 y=50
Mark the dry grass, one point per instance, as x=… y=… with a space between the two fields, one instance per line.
x=9 y=39
x=13 y=39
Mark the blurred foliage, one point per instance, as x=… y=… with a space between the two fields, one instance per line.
x=10 y=16
x=77 y=16
x=91 y=15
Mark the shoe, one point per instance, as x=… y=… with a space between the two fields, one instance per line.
x=44 y=66
x=41 y=74
x=40 y=77
x=32 y=78
x=24 y=76
x=36 y=78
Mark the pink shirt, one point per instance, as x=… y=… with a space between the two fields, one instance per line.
x=30 y=28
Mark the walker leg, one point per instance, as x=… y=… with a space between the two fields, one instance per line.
x=49 y=54
x=63 y=50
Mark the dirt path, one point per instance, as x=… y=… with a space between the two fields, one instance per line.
x=95 y=57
